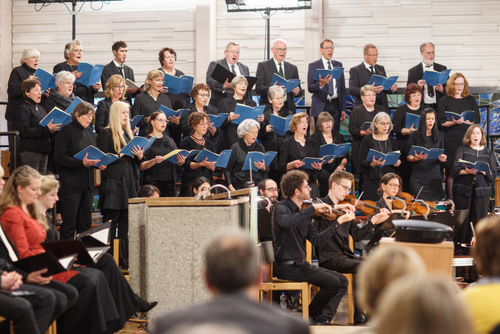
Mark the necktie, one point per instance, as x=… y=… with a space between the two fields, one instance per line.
x=12 y=253
x=430 y=89
x=120 y=68
x=232 y=70
x=330 y=83
x=280 y=70
x=372 y=69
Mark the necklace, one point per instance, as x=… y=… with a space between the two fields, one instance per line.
x=200 y=142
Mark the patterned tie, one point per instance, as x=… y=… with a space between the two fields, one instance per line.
x=330 y=83
x=232 y=70
x=280 y=70
x=430 y=89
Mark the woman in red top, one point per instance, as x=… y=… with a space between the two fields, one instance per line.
x=95 y=310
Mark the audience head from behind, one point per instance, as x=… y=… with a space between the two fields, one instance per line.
x=457 y=86
x=209 y=328
x=232 y=264
x=120 y=50
x=269 y=189
x=149 y=191
x=370 y=54
x=487 y=250
x=427 y=51
x=115 y=87
x=380 y=269
x=200 y=184
x=30 y=57
x=232 y=53
x=278 y=49
x=415 y=305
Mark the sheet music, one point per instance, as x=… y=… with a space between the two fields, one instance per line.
x=102 y=236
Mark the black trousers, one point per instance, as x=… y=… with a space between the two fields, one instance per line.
x=332 y=286
x=76 y=214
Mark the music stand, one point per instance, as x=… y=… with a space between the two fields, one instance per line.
x=453 y=220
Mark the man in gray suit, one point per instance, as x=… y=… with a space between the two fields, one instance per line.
x=232 y=273
x=229 y=62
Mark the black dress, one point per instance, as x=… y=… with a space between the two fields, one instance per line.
x=426 y=173
x=189 y=174
x=229 y=134
x=399 y=122
x=234 y=173
x=372 y=176
x=186 y=129
x=178 y=101
x=472 y=192
x=82 y=91
x=454 y=135
x=161 y=175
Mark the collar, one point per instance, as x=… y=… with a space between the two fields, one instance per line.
x=277 y=64
x=118 y=65
x=368 y=65
x=229 y=65
x=27 y=68
x=424 y=66
x=325 y=62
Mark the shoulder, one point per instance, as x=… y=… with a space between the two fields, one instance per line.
x=110 y=65
x=12 y=214
x=415 y=68
x=178 y=73
x=357 y=68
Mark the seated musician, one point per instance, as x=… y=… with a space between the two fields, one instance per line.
x=291 y=227
x=390 y=186
x=336 y=254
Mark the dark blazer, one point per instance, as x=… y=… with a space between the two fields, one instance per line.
x=319 y=96
x=233 y=308
x=265 y=71
x=216 y=87
x=15 y=94
x=417 y=72
x=359 y=76
x=111 y=69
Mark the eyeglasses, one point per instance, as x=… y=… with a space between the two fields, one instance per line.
x=459 y=84
x=346 y=188
x=370 y=95
x=119 y=87
x=77 y=51
x=384 y=124
x=233 y=52
x=159 y=81
x=171 y=57
x=163 y=120
x=328 y=48
x=394 y=186
x=280 y=49
x=203 y=95
x=372 y=55
x=273 y=189
x=242 y=83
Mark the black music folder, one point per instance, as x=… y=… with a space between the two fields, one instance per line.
x=221 y=73
x=47 y=260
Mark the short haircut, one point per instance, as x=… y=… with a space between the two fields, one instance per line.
x=199 y=87
x=466 y=141
x=198 y=182
x=367 y=88
x=323 y=117
x=64 y=76
x=82 y=108
x=114 y=80
x=153 y=74
x=273 y=43
x=262 y=184
x=294 y=122
x=117 y=45
x=69 y=46
x=275 y=91
x=148 y=190
x=161 y=54
x=367 y=47
x=412 y=88
x=238 y=79
x=196 y=118
x=379 y=117
x=450 y=85
x=231 y=44
x=381 y=268
x=339 y=175
x=245 y=127
x=387 y=178
x=423 y=45
x=28 y=53
x=232 y=263
x=292 y=180
x=29 y=84
x=326 y=40
x=487 y=250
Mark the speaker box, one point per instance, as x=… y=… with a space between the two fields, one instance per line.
x=421 y=231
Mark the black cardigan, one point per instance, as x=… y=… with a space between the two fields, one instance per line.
x=34 y=137
x=233 y=173
x=15 y=94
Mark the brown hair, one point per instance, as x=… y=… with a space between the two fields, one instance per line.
x=412 y=88
x=82 y=108
x=199 y=87
x=450 y=85
x=196 y=118
x=292 y=180
x=326 y=40
x=339 y=175
x=117 y=45
x=323 y=117
x=294 y=122
x=466 y=141
x=153 y=117
x=161 y=54
x=387 y=178
x=29 y=84
x=487 y=250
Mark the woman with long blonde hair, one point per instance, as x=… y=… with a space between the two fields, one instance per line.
x=120 y=180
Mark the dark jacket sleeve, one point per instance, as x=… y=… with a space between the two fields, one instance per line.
x=101 y=116
x=23 y=123
x=63 y=141
x=398 y=120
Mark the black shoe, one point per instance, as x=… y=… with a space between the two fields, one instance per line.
x=360 y=318
x=324 y=323
x=146 y=307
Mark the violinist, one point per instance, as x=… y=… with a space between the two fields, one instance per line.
x=426 y=174
x=390 y=186
x=336 y=254
x=291 y=227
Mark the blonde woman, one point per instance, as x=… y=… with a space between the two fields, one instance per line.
x=120 y=180
x=113 y=92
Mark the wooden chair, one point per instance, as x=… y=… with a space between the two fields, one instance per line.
x=274 y=284
x=51 y=330
x=116 y=257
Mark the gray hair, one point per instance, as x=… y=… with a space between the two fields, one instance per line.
x=28 y=53
x=69 y=46
x=368 y=46
x=367 y=88
x=273 y=43
x=245 y=127
x=64 y=76
x=274 y=91
x=238 y=79
x=381 y=116
x=423 y=45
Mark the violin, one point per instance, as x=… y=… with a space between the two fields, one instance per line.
x=330 y=215
x=419 y=207
x=367 y=208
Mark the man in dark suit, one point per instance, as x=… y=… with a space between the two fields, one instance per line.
x=229 y=62
x=278 y=65
x=361 y=74
x=117 y=66
x=415 y=74
x=232 y=273
x=327 y=94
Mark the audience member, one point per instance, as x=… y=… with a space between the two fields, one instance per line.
x=148 y=190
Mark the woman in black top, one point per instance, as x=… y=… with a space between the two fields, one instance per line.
x=167 y=58
x=150 y=101
x=77 y=176
x=297 y=147
x=413 y=99
x=73 y=53
x=113 y=92
x=235 y=176
x=201 y=95
x=325 y=135
x=34 y=138
x=227 y=105
x=426 y=173
x=120 y=179
x=472 y=189
x=457 y=100
x=379 y=140
x=156 y=170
